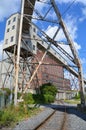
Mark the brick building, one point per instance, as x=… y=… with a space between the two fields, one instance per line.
x=51 y=70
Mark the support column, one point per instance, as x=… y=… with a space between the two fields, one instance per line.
x=18 y=52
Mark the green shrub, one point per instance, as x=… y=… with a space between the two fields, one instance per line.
x=38 y=98
x=6 y=117
x=1 y=114
x=7 y=90
x=11 y=115
x=48 y=98
x=77 y=96
x=19 y=95
x=1 y=93
x=48 y=92
x=48 y=89
x=42 y=98
x=28 y=98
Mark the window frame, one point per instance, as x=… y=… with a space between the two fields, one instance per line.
x=8 y=29
x=9 y=22
x=14 y=19
x=13 y=27
x=34 y=29
x=6 y=41
x=34 y=47
x=12 y=38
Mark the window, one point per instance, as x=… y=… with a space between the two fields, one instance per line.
x=26 y=42
x=6 y=41
x=14 y=19
x=12 y=39
x=9 y=22
x=33 y=47
x=34 y=29
x=33 y=36
x=13 y=27
x=8 y=30
x=42 y=42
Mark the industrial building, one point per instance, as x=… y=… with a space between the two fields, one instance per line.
x=33 y=57
x=51 y=69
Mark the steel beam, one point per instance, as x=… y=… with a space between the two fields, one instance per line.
x=18 y=52
x=76 y=58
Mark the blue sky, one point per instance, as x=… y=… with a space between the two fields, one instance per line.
x=74 y=17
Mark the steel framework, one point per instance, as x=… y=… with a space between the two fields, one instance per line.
x=21 y=60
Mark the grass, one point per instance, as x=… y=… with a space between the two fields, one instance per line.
x=73 y=101
x=11 y=115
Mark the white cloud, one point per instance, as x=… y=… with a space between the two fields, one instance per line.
x=77 y=46
x=71 y=24
x=83 y=60
x=51 y=31
x=84 y=74
x=8 y=7
x=68 y=49
x=41 y=7
x=84 y=11
x=84 y=15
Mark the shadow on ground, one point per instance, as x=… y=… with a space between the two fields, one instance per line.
x=70 y=109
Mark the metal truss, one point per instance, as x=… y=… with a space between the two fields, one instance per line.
x=74 y=59
x=25 y=71
x=74 y=81
x=22 y=62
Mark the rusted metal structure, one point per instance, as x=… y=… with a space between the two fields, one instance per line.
x=22 y=52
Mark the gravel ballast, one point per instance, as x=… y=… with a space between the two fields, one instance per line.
x=75 y=120
x=33 y=122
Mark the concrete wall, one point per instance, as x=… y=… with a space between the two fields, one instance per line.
x=63 y=95
x=11 y=31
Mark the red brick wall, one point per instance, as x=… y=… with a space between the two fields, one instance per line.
x=53 y=72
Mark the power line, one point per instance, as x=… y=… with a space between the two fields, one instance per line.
x=68 y=7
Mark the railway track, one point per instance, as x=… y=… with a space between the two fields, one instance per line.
x=56 y=121
x=58 y=116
